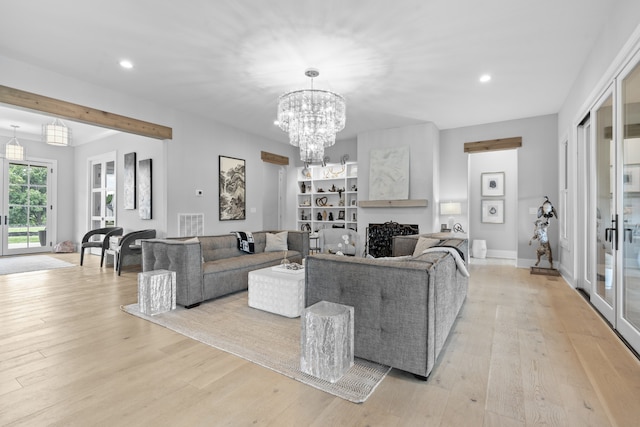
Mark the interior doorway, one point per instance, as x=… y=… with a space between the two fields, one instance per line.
x=499 y=231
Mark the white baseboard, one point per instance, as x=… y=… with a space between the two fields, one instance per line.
x=493 y=253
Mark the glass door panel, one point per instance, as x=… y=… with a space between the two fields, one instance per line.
x=629 y=315
x=27 y=201
x=102 y=193
x=602 y=296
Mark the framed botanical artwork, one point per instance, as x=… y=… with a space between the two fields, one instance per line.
x=493 y=211
x=492 y=184
x=232 y=189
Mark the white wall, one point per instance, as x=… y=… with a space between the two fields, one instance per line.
x=187 y=162
x=537 y=169
x=121 y=144
x=617 y=39
x=423 y=141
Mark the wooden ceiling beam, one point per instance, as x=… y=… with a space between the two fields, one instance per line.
x=82 y=114
x=493 y=145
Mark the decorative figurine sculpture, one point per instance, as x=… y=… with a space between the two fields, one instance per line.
x=545 y=212
x=540 y=233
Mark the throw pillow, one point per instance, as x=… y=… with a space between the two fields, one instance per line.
x=424 y=243
x=245 y=241
x=277 y=242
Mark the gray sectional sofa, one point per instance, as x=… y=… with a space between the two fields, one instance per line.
x=212 y=266
x=404 y=308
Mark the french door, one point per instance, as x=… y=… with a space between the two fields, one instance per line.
x=614 y=212
x=102 y=191
x=27 y=207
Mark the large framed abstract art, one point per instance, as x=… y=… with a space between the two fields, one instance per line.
x=130 y=181
x=144 y=182
x=231 y=184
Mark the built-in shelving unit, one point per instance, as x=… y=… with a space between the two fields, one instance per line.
x=327 y=197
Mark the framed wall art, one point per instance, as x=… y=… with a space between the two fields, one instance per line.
x=232 y=190
x=129 y=181
x=492 y=184
x=493 y=211
x=631 y=178
x=144 y=180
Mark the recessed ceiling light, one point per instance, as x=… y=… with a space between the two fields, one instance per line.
x=485 y=78
x=125 y=63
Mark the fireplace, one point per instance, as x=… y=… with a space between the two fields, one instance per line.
x=380 y=236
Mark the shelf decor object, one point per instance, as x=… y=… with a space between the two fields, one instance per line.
x=312 y=118
x=330 y=197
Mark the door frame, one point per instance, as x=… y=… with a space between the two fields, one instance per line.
x=52 y=196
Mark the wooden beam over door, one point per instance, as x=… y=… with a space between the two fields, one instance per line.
x=80 y=113
x=493 y=145
x=276 y=159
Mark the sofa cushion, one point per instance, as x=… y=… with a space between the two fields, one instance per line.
x=245 y=241
x=276 y=242
x=424 y=243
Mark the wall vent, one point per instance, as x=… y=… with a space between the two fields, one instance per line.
x=190 y=224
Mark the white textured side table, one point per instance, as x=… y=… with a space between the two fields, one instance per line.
x=277 y=291
x=326 y=340
x=156 y=291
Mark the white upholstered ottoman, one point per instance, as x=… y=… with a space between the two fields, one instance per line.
x=277 y=291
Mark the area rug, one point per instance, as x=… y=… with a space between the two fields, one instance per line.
x=23 y=264
x=266 y=339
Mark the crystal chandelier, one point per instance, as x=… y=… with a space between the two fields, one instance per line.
x=56 y=133
x=13 y=150
x=312 y=118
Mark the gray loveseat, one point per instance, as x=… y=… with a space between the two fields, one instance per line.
x=212 y=266
x=404 y=309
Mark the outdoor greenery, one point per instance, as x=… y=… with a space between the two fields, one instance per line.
x=27 y=196
x=27 y=203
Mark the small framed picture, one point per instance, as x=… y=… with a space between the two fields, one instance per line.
x=341 y=215
x=354 y=202
x=444 y=228
x=492 y=184
x=493 y=211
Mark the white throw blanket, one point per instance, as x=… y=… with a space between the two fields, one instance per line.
x=459 y=261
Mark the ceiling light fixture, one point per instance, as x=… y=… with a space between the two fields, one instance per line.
x=13 y=150
x=125 y=63
x=485 y=78
x=56 y=133
x=312 y=118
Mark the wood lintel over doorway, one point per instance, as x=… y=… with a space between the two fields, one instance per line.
x=82 y=114
x=276 y=159
x=493 y=145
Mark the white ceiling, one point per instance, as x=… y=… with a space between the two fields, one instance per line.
x=396 y=62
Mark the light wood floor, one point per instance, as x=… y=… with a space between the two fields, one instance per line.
x=525 y=350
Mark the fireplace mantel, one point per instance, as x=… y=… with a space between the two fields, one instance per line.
x=407 y=203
